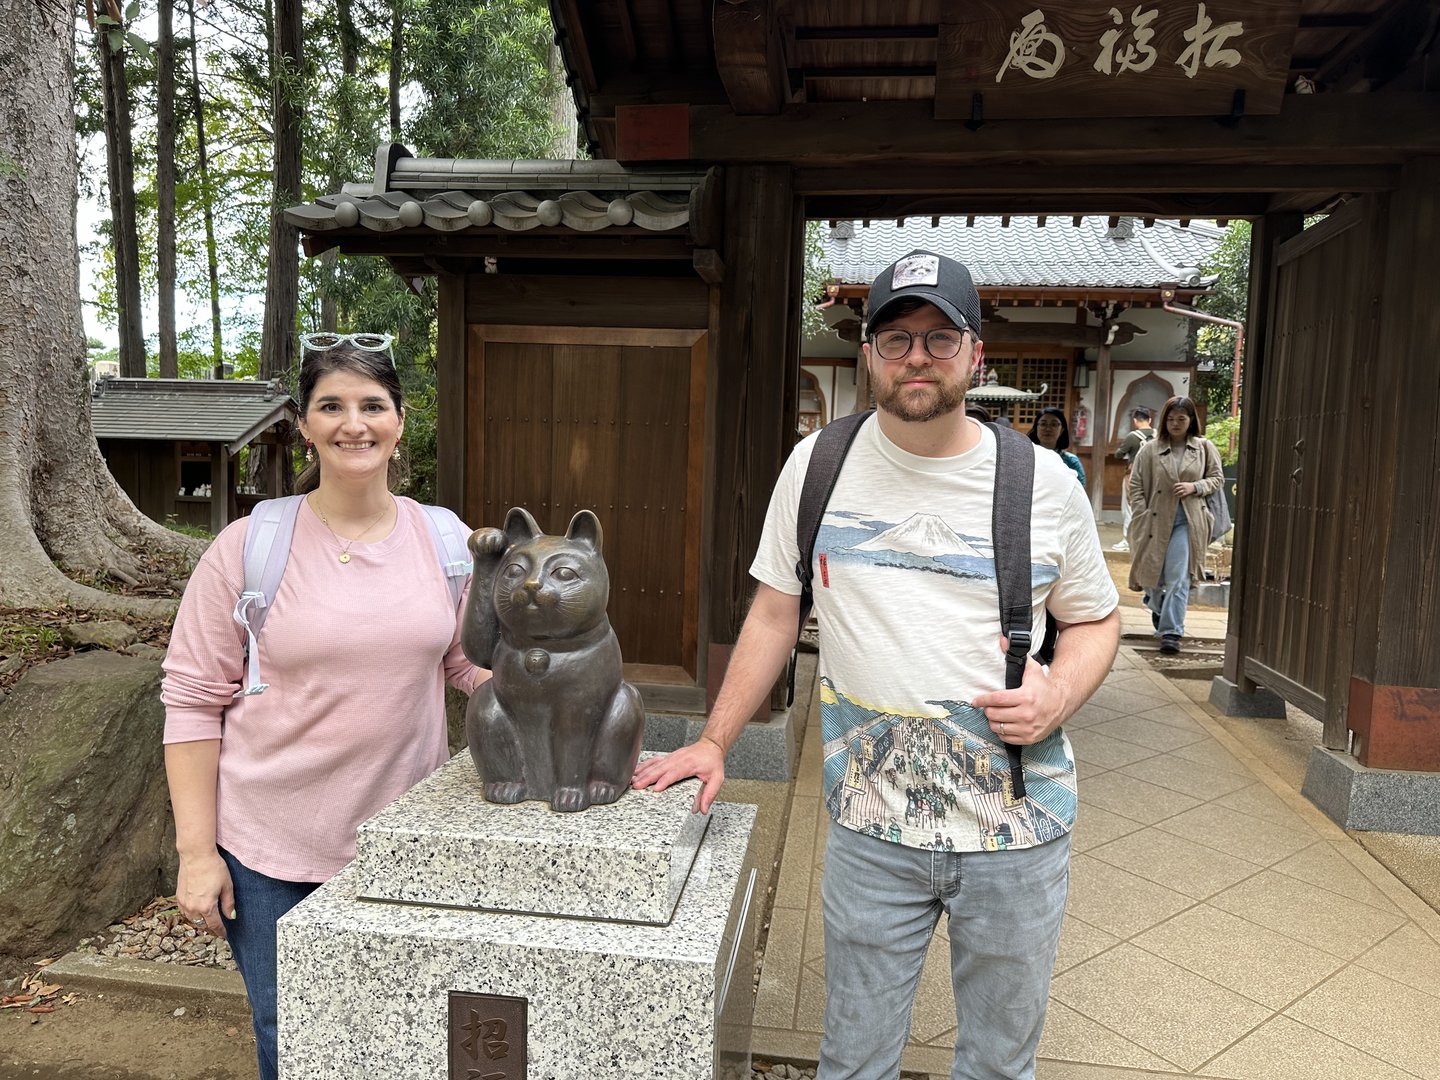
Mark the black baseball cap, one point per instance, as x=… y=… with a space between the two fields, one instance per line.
x=927 y=276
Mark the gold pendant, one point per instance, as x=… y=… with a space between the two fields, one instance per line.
x=344 y=556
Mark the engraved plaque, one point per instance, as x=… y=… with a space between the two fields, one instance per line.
x=487 y=1036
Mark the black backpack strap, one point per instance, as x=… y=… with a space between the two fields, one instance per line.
x=1010 y=537
x=826 y=459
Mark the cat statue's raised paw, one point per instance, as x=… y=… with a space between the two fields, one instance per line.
x=557 y=721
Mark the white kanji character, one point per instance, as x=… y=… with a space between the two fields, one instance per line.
x=1202 y=34
x=1140 y=47
x=1026 y=42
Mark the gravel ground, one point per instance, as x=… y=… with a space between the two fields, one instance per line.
x=159 y=932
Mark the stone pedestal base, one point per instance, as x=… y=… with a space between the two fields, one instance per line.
x=365 y=985
x=1227 y=697
x=1376 y=800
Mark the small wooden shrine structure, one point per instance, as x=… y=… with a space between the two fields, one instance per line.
x=172 y=443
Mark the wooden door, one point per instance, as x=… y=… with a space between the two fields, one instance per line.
x=611 y=420
x=1299 y=599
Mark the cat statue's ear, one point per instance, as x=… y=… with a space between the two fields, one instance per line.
x=520 y=527
x=585 y=529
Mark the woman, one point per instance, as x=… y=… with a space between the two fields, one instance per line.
x=362 y=634
x=1052 y=432
x=1170 y=527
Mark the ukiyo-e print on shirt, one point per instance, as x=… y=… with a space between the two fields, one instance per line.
x=910 y=632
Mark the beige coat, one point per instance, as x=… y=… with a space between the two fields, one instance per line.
x=1158 y=466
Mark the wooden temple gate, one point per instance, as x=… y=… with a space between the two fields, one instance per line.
x=763 y=112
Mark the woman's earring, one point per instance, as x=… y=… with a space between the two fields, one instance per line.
x=395 y=454
x=309 y=452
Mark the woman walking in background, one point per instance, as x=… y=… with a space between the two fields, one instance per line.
x=1170 y=525
x=1052 y=432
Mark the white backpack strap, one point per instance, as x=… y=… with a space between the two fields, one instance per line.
x=267 y=548
x=451 y=547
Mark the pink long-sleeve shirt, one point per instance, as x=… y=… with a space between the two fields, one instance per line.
x=356 y=654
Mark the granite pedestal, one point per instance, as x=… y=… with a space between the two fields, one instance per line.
x=625 y=929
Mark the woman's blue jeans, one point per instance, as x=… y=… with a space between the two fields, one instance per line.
x=259 y=903
x=882 y=903
x=1170 y=596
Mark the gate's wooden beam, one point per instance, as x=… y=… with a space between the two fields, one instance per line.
x=750 y=55
x=1314 y=131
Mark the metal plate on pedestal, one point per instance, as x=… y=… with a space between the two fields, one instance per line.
x=487 y=1036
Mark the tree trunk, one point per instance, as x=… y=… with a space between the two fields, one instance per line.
x=207 y=200
x=124 y=235
x=165 y=185
x=396 y=66
x=59 y=507
x=349 y=40
x=562 y=108
x=282 y=277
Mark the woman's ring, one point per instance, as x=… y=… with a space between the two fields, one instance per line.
x=198 y=920
x=1002 y=729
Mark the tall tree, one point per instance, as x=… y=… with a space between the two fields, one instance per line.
x=397 y=64
x=282 y=280
x=165 y=189
x=60 y=511
x=207 y=201
x=120 y=159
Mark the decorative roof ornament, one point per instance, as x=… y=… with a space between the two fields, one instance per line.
x=991 y=390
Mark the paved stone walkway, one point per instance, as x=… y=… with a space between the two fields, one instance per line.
x=1218 y=924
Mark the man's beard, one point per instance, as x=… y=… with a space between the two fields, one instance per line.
x=919 y=404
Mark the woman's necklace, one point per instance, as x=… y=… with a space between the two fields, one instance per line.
x=345 y=551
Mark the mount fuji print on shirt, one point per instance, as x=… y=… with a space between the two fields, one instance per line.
x=921 y=542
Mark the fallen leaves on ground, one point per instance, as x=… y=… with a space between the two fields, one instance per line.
x=36 y=994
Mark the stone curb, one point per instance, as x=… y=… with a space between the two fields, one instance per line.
x=219 y=989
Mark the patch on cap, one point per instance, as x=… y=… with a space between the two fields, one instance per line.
x=915 y=270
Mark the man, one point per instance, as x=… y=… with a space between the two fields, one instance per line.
x=912 y=673
x=1141 y=421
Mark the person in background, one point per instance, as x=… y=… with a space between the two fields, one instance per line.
x=361 y=637
x=1170 y=526
x=1139 y=434
x=1052 y=432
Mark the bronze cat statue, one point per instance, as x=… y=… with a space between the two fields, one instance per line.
x=557 y=721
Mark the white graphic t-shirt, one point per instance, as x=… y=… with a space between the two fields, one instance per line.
x=904 y=583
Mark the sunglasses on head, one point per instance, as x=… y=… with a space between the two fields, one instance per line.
x=367 y=342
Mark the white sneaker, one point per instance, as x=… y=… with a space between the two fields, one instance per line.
x=1120 y=545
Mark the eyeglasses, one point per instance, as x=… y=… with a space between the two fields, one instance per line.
x=942 y=343
x=367 y=342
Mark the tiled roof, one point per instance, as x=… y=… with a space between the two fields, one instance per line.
x=1026 y=254
x=450 y=194
x=231 y=411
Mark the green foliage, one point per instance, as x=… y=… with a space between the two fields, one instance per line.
x=420 y=446
x=816 y=276
x=475 y=83
x=187 y=530
x=1225 y=434
x=25 y=639
x=1229 y=298
x=481 y=72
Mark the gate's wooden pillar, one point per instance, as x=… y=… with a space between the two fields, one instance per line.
x=1266 y=236
x=754 y=370
x=450 y=396
x=1394 y=700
